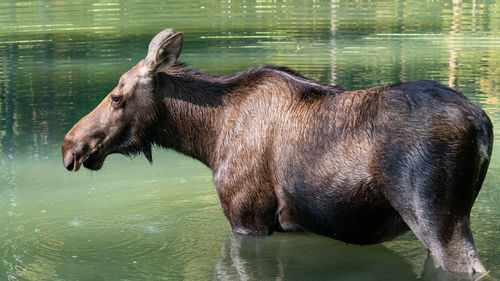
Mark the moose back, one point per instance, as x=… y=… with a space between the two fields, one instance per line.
x=290 y=154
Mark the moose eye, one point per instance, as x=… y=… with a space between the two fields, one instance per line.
x=115 y=99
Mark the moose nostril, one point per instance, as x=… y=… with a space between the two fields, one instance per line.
x=70 y=166
x=71 y=152
x=69 y=161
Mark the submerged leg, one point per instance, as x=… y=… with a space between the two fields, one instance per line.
x=438 y=213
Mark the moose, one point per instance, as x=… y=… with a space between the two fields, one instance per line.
x=291 y=154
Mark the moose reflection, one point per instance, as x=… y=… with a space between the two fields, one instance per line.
x=306 y=257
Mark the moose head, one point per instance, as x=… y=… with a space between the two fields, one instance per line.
x=123 y=122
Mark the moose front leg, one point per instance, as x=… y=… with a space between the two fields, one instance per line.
x=249 y=204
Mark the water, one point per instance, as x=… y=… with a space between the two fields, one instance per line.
x=132 y=221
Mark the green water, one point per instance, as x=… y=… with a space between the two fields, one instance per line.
x=133 y=221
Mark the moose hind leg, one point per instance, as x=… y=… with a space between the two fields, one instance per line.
x=435 y=201
x=438 y=213
x=448 y=238
x=456 y=251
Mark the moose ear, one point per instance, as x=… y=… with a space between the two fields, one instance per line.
x=164 y=49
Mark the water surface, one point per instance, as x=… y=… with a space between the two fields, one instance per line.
x=133 y=221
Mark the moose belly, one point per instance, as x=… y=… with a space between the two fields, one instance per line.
x=350 y=220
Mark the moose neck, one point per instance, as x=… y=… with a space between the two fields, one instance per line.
x=192 y=119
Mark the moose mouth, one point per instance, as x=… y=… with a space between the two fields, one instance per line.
x=93 y=162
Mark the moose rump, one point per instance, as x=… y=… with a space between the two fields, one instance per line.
x=291 y=154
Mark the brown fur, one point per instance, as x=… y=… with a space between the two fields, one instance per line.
x=290 y=154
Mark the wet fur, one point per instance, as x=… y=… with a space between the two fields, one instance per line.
x=290 y=154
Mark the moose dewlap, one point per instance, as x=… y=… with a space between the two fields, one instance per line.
x=290 y=154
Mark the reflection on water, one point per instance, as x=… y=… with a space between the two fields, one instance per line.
x=306 y=257
x=132 y=221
